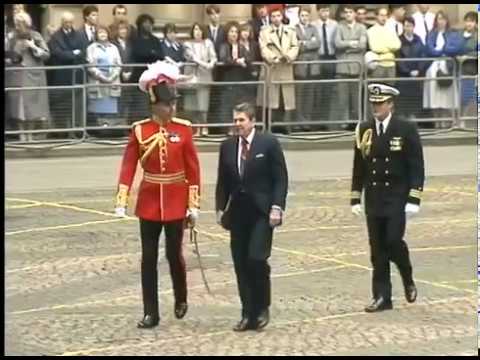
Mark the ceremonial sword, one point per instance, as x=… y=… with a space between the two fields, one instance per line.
x=193 y=239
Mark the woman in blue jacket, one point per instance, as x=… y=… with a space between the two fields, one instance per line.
x=410 y=103
x=442 y=42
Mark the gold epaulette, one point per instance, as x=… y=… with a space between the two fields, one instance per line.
x=181 y=121
x=140 y=122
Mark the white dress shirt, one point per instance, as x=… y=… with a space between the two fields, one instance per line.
x=214 y=32
x=385 y=124
x=249 y=140
x=395 y=26
x=90 y=30
x=420 y=20
x=331 y=29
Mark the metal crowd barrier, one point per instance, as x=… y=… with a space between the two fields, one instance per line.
x=468 y=91
x=416 y=100
x=73 y=121
x=326 y=108
x=65 y=116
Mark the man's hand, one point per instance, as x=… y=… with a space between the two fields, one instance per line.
x=357 y=210
x=354 y=44
x=120 y=212
x=30 y=44
x=77 y=52
x=275 y=216
x=219 y=217
x=414 y=73
x=411 y=210
x=126 y=75
x=192 y=217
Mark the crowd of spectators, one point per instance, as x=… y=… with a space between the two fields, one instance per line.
x=349 y=47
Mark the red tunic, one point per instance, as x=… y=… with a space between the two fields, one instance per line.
x=171 y=179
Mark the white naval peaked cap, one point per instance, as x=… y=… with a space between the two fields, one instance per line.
x=381 y=92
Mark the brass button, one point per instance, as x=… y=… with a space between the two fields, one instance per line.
x=386 y=172
x=374 y=172
x=374 y=160
x=374 y=183
x=387 y=159
x=163 y=169
x=387 y=184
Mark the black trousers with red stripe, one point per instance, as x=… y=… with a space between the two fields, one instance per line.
x=150 y=233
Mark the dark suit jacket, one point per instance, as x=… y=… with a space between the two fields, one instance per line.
x=392 y=174
x=125 y=55
x=265 y=179
x=61 y=48
x=145 y=51
x=221 y=38
x=83 y=38
x=176 y=55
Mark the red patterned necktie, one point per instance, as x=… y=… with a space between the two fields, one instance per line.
x=243 y=155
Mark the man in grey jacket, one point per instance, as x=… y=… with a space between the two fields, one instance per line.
x=309 y=42
x=351 y=45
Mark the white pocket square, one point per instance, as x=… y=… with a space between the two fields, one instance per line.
x=258 y=156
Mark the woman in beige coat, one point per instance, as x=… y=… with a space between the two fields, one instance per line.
x=201 y=51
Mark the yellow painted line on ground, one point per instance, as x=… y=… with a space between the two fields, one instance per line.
x=22 y=206
x=359 y=266
x=460 y=281
x=272 y=326
x=220 y=284
x=349 y=264
x=431 y=248
x=69 y=226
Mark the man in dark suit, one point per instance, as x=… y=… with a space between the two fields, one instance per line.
x=250 y=199
x=260 y=19
x=88 y=31
x=66 y=49
x=388 y=164
x=216 y=33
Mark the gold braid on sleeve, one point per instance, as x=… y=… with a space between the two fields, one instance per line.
x=193 y=197
x=122 y=196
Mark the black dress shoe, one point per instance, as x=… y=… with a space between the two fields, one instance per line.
x=180 y=310
x=379 y=304
x=411 y=293
x=148 y=321
x=263 y=319
x=243 y=325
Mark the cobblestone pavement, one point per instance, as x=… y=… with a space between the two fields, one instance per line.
x=73 y=280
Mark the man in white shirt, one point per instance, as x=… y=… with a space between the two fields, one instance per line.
x=395 y=22
x=424 y=20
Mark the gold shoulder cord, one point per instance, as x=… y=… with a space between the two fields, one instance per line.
x=366 y=143
x=148 y=145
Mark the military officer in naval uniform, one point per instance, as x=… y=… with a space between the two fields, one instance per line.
x=388 y=167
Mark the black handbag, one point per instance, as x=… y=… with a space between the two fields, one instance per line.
x=443 y=83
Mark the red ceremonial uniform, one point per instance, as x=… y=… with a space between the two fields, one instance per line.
x=171 y=179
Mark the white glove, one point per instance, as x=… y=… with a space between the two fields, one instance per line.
x=357 y=210
x=219 y=217
x=120 y=212
x=77 y=52
x=411 y=210
x=192 y=216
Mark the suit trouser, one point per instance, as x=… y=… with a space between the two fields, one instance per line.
x=150 y=233
x=251 y=242
x=387 y=244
